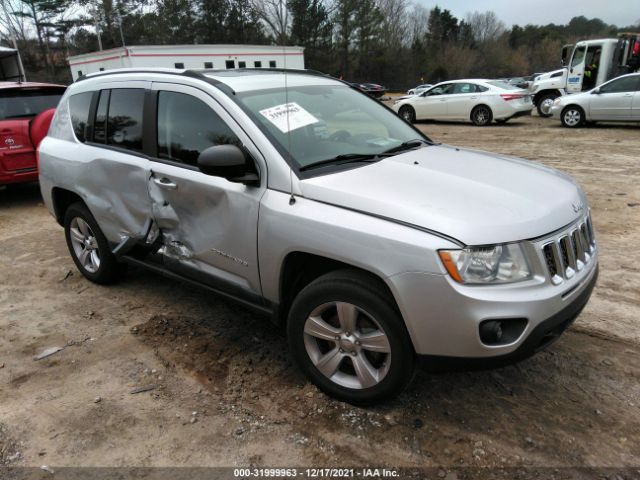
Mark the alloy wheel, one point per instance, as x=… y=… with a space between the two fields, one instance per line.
x=85 y=245
x=347 y=345
x=572 y=117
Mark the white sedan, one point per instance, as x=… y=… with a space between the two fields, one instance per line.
x=617 y=100
x=479 y=101
x=419 y=89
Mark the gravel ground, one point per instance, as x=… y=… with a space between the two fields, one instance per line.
x=221 y=389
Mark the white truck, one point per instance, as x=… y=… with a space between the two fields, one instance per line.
x=591 y=63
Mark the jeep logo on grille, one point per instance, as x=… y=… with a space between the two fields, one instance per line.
x=577 y=207
x=9 y=141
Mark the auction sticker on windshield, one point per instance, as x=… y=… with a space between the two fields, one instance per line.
x=297 y=116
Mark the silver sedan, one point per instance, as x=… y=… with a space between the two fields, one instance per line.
x=615 y=100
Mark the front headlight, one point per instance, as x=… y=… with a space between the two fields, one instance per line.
x=557 y=101
x=487 y=265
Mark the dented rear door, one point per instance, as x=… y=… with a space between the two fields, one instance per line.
x=207 y=225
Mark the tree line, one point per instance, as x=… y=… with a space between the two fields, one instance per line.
x=393 y=42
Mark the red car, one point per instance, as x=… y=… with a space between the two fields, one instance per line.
x=26 y=110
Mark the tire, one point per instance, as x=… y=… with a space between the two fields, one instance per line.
x=331 y=324
x=481 y=116
x=572 y=116
x=83 y=235
x=544 y=104
x=407 y=113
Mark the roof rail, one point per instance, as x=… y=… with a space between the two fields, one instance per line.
x=198 y=73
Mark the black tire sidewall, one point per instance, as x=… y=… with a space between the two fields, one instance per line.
x=569 y=108
x=330 y=289
x=109 y=267
x=489 y=117
x=409 y=109
x=541 y=101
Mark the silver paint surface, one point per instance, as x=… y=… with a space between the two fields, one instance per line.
x=362 y=216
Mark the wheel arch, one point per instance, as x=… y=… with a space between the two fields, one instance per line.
x=300 y=268
x=538 y=95
x=62 y=199
x=475 y=107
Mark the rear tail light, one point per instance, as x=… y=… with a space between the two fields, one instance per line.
x=511 y=96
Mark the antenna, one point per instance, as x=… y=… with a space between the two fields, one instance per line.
x=283 y=23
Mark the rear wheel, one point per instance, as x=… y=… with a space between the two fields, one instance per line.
x=572 y=116
x=348 y=338
x=89 y=247
x=481 y=115
x=545 y=102
x=407 y=113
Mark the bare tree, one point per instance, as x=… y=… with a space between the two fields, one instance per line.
x=395 y=22
x=485 y=26
x=275 y=14
x=417 y=23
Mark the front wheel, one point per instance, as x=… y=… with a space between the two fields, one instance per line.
x=572 y=116
x=481 y=116
x=89 y=247
x=407 y=113
x=545 y=103
x=348 y=338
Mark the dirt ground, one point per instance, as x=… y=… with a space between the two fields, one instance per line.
x=224 y=391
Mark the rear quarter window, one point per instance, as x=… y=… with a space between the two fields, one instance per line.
x=79 y=106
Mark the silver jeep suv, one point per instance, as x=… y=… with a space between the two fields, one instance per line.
x=301 y=197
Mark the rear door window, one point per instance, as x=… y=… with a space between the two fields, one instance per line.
x=187 y=126
x=124 y=118
x=79 y=106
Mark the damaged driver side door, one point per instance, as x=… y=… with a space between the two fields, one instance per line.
x=207 y=225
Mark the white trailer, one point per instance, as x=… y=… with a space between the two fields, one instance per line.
x=189 y=57
x=11 y=65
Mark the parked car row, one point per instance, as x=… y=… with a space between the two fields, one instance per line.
x=484 y=101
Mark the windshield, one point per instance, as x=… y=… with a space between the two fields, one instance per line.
x=325 y=122
x=16 y=103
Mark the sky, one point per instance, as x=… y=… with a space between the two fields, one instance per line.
x=542 y=12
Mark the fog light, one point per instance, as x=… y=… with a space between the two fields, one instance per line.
x=503 y=331
x=491 y=332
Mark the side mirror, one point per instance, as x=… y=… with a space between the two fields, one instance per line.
x=226 y=161
x=595 y=91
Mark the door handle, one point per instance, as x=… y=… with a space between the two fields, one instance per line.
x=164 y=182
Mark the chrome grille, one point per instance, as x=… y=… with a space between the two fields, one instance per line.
x=570 y=251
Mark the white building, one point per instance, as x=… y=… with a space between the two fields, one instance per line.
x=188 y=56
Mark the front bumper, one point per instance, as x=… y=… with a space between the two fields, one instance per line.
x=443 y=318
x=545 y=334
x=556 y=111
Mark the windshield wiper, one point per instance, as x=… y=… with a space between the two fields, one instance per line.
x=408 y=145
x=343 y=159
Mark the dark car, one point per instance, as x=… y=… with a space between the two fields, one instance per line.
x=26 y=110
x=372 y=89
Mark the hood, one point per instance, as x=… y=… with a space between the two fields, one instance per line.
x=475 y=197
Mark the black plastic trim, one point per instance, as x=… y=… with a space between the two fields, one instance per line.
x=225 y=289
x=545 y=334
